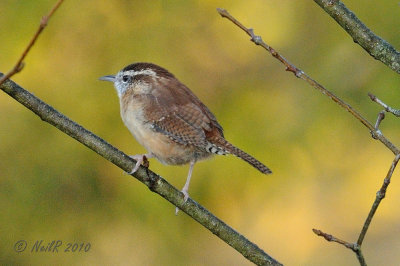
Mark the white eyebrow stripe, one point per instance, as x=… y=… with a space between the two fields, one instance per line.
x=148 y=72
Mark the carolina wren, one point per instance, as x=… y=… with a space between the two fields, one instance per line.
x=169 y=120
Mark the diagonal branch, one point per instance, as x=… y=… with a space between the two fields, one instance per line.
x=153 y=181
x=376 y=133
x=361 y=34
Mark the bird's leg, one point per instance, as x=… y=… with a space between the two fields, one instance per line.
x=140 y=158
x=185 y=188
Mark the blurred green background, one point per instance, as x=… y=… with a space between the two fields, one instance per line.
x=326 y=166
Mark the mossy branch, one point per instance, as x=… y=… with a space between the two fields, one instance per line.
x=153 y=181
x=361 y=34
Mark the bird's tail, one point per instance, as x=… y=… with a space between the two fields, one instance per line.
x=223 y=144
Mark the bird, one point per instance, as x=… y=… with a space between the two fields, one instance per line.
x=169 y=120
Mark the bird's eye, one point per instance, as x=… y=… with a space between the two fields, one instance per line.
x=125 y=78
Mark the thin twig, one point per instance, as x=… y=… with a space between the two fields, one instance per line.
x=379 y=119
x=331 y=238
x=354 y=247
x=20 y=64
x=387 y=108
x=300 y=74
x=379 y=196
x=361 y=34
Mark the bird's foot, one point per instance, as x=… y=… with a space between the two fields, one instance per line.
x=140 y=159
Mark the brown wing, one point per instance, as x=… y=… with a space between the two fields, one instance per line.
x=179 y=114
x=180 y=131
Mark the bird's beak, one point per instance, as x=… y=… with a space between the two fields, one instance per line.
x=108 y=78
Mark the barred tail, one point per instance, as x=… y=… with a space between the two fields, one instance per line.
x=223 y=146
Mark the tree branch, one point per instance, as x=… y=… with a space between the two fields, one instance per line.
x=377 y=47
x=153 y=181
